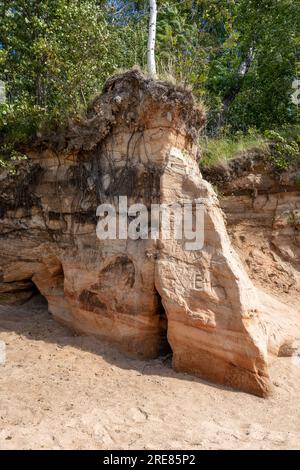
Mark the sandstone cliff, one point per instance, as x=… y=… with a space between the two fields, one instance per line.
x=138 y=140
x=262 y=207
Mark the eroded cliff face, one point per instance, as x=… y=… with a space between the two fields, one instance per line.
x=138 y=140
x=262 y=208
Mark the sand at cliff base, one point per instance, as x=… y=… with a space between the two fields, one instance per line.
x=60 y=391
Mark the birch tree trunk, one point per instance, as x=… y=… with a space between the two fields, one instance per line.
x=151 y=38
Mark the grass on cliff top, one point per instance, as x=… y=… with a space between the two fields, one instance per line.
x=218 y=150
x=221 y=149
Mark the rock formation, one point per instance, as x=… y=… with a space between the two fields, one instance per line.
x=139 y=139
x=262 y=207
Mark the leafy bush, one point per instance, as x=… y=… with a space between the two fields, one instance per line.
x=284 y=151
x=54 y=57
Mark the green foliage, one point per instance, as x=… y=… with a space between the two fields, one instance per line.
x=284 y=151
x=240 y=57
x=275 y=65
x=281 y=147
x=55 y=56
x=218 y=150
x=181 y=46
x=262 y=97
x=43 y=44
x=9 y=156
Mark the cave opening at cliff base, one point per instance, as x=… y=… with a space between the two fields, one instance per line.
x=165 y=347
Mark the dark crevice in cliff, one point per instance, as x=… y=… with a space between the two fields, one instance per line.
x=39 y=298
x=165 y=347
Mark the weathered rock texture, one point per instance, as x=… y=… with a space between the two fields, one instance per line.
x=262 y=208
x=139 y=140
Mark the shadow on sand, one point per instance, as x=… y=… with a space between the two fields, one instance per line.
x=33 y=321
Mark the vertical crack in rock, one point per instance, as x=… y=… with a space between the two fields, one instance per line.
x=165 y=347
x=139 y=140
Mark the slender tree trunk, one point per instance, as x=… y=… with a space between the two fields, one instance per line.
x=151 y=38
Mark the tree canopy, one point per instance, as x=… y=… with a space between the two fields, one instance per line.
x=239 y=56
